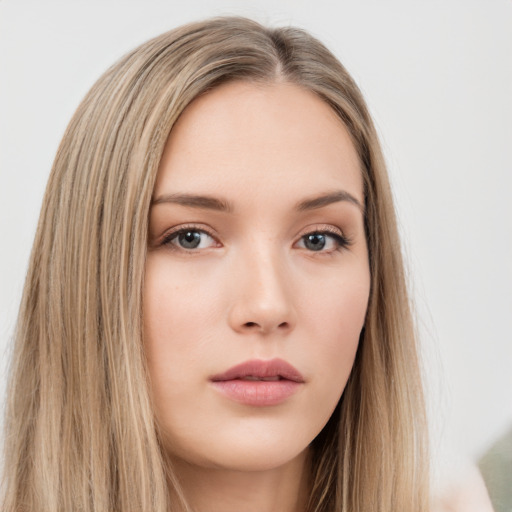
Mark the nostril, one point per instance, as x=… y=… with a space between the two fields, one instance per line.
x=265 y=327
x=250 y=325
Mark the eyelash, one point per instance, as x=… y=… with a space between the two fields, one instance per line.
x=342 y=242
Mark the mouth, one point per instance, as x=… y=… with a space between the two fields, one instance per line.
x=261 y=370
x=266 y=379
x=259 y=382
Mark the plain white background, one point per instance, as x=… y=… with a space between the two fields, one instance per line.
x=437 y=76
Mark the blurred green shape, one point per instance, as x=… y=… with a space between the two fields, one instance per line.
x=496 y=468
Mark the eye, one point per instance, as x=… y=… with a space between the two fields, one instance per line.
x=189 y=239
x=323 y=241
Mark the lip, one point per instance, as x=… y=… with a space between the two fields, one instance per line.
x=233 y=384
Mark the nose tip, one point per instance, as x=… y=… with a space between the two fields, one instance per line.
x=262 y=302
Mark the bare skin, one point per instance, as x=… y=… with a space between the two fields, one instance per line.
x=257 y=253
x=281 y=489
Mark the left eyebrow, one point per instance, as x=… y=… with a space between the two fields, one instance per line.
x=327 y=199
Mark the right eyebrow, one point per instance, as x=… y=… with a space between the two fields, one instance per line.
x=195 y=201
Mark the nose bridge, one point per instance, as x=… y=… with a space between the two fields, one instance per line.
x=263 y=300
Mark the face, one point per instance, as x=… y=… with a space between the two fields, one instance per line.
x=257 y=276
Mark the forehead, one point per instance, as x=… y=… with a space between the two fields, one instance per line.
x=252 y=139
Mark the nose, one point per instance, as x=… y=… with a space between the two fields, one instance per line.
x=262 y=295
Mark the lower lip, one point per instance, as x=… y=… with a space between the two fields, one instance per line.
x=257 y=392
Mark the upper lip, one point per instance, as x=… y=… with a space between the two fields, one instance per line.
x=261 y=368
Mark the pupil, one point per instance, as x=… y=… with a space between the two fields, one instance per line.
x=315 y=242
x=190 y=239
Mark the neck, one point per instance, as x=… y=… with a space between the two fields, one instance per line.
x=281 y=489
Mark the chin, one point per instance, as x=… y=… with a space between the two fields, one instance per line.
x=247 y=455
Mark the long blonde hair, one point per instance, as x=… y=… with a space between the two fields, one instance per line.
x=80 y=431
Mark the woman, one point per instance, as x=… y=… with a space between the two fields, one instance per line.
x=215 y=315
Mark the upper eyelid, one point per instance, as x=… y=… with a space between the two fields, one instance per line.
x=338 y=235
x=322 y=228
x=318 y=228
x=325 y=229
x=190 y=227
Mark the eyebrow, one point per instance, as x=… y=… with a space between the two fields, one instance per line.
x=327 y=199
x=195 y=201
x=217 y=204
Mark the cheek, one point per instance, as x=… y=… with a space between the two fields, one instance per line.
x=177 y=308
x=336 y=319
x=345 y=315
x=184 y=317
x=177 y=317
x=337 y=303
